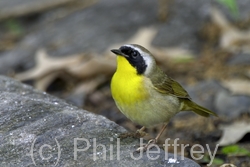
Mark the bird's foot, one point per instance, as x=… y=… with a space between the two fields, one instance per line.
x=138 y=134
x=145 y=146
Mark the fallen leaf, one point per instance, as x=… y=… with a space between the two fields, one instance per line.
x=46 y=64
x=80 y=66
x=228 y=165
x=233 y=133
x=97 y=65
x=238 y=86
x=232 y=38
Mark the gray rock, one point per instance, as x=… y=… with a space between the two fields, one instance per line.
x=109 y=22
x=76 y=99
x=36 y=128
x=182 y=26
x=231 y=106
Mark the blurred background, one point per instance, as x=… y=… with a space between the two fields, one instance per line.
x=63 y=47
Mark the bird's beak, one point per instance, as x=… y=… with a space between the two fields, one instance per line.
x=118 y=53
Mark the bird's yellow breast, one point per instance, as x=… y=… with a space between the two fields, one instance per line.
x=127 y=86
x=137 y=99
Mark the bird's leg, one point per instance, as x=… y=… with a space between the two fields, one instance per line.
x=139 y=133
x=160 y=133
x=152 y=141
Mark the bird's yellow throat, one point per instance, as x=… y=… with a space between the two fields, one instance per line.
x=127 y=86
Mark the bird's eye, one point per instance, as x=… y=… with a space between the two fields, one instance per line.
x=134 y=54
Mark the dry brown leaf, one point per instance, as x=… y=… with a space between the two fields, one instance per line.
x=46 y=64
x=232 y=39
x=238 y=86
x=82 y=66
x=98 y=65
x=233 y=133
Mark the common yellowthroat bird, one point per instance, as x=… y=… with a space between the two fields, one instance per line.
x=144 y=93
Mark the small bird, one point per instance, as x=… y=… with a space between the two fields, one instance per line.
x=145 y=94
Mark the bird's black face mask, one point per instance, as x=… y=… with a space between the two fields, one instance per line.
x=134 y=58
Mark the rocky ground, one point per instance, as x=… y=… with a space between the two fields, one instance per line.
x=63 y=48
x=39 y=129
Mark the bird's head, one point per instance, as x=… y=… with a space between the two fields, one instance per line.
x=135 y=58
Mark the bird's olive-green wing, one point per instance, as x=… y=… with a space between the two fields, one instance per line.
x=179 y=90
x=167 y=85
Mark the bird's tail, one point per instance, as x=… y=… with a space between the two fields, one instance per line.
x=190 y=105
